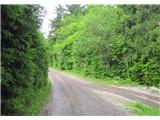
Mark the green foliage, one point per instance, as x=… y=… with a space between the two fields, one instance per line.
x=31 y=102
x=146 y=73
x=62 y=48
x=24 y=58
x=115 y=41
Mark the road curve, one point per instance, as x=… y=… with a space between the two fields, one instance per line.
x=74 y=97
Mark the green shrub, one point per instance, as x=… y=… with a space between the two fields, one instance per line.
x=24 y=60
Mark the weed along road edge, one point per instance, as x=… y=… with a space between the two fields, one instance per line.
x=73 y=96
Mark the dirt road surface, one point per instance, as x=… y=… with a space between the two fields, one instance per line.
x=72 y=96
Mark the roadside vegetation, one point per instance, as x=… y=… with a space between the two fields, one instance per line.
x=107 y=41
x=25 y=59
x=107 y=81
x=142 y=110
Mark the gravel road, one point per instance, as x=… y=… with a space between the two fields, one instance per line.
x=72 y=96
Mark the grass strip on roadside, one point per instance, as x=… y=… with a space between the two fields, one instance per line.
x=100 y=81
x=140 y=109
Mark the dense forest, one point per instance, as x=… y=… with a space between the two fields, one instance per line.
x=108 y=41
x=25 y=60
x=96 y=40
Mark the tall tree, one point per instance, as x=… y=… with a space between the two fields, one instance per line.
x=76 y=9
x=55 y=23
